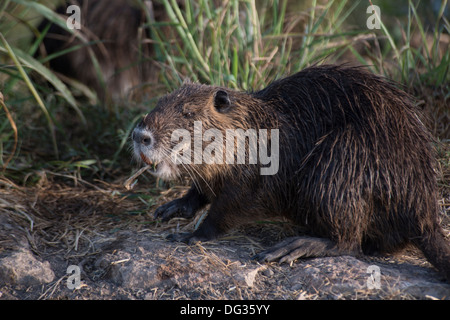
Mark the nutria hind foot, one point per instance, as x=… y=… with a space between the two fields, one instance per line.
x=300 y=247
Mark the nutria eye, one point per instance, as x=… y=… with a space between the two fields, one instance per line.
x=188 y=114
x=222 y=101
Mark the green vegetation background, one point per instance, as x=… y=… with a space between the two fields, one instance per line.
x=60 y=128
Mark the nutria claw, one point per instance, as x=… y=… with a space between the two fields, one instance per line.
x=298 y=247
x=176 y=208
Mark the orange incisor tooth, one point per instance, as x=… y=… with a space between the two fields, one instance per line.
x=144 y=158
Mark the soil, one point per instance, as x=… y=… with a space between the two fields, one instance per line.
x=109 y=235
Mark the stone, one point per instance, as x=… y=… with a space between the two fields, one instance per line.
x=22 y=268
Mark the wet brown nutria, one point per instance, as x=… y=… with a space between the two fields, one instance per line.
x=112 y=31
x=356 y=165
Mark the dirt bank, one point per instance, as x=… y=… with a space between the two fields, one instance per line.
x=122 y=253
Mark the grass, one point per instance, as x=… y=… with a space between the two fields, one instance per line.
x=244 y=47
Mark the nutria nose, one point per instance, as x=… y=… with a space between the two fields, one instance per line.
x=139 y=136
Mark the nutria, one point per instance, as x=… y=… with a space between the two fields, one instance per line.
x=356 y=165
x=113 y=32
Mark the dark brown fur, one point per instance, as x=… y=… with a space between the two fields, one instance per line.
x=112 y=32
x=356 y=165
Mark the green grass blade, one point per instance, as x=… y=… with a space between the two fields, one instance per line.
x=35 y=65
x=33 y=91
x=46 y=12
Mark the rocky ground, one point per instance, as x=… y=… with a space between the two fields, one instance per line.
x=121 y=253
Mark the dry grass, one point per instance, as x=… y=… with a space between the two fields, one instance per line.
x=64 y=217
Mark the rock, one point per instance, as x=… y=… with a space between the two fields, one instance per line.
x=143 y=266
x=340 y=277
x=246 y=277
x=22 y=268
x=130 y=271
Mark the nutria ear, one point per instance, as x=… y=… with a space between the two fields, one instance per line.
x=222 y=101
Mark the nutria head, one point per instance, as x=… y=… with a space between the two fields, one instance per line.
x=176 y=123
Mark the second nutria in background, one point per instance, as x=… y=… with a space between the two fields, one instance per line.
x=112 y=31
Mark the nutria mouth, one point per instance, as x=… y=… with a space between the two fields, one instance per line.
x=153 y=165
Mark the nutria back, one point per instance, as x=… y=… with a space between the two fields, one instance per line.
x=354 y=164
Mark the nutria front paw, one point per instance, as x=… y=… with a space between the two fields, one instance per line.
x=185 y=237
x=176 y=208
